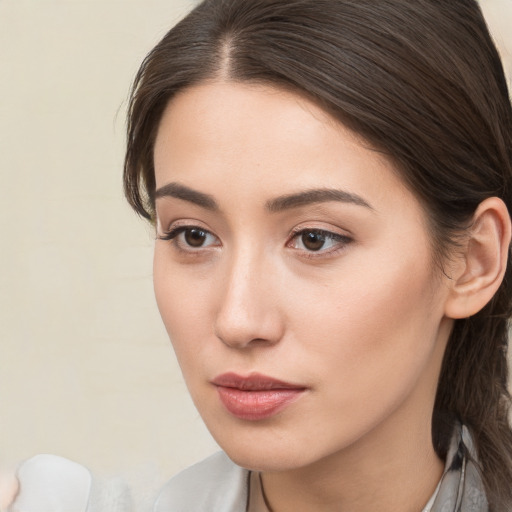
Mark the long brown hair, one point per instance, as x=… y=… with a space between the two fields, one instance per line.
x=421 y=81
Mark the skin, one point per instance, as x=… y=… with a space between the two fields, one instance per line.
x=9 y=487
x=360 y=323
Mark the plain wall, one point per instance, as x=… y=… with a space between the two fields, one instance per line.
x=86 y=368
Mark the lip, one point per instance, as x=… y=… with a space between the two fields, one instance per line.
x=255 y=397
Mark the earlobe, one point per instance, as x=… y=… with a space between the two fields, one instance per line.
x=480 y=267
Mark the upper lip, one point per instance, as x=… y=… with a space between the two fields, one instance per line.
x=252 y=382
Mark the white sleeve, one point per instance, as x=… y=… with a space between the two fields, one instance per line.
x=52 y=484
x=49 y=483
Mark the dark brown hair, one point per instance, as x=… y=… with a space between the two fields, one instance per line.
x=420 y=80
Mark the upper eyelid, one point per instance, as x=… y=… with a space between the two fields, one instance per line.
x=177 y=230
x=316 y=230
x=334 y=234
x=327 y=234
x=177 y=224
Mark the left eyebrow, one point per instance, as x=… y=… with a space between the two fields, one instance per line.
x=313 y=196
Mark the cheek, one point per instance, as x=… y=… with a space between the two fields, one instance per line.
x=370 y=329
x=174 y=303
x=184 y=299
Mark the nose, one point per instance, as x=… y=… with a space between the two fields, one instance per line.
x=249 y=312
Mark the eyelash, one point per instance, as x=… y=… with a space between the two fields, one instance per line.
x=174 y=233
x=340 y=241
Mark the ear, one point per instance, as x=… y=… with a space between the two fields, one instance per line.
x=478 y=271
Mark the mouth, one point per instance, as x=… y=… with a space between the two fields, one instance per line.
x=255 y=397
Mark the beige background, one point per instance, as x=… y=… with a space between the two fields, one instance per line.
x=86 y=369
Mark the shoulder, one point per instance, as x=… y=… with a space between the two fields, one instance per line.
x=215 y=484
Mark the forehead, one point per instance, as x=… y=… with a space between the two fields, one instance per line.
x=252 y=116
x=257 y=139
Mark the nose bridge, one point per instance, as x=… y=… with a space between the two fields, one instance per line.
x=247 y=311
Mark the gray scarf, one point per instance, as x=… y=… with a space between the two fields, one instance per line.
x=461 y=488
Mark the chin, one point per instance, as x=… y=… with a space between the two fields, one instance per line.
x=271 y=450
x=266 y=460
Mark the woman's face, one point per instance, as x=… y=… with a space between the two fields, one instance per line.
x=293 y=272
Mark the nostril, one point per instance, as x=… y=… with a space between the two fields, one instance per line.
x=236 y=338
x=250 y=334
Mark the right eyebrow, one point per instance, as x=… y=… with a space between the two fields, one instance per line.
x=187 y=194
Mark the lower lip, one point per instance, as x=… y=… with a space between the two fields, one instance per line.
x=257 y=405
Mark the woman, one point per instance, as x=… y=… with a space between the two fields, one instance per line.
x=330 y=183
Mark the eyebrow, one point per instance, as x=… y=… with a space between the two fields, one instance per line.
x=321 y=195
x=187 y=194
x=278 y=204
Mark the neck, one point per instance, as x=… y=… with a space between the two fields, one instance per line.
x=377 y=474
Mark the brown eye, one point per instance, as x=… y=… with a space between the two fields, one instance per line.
x=319 y=242
x=191 y=238
x=195 y=237
x=313 y=240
